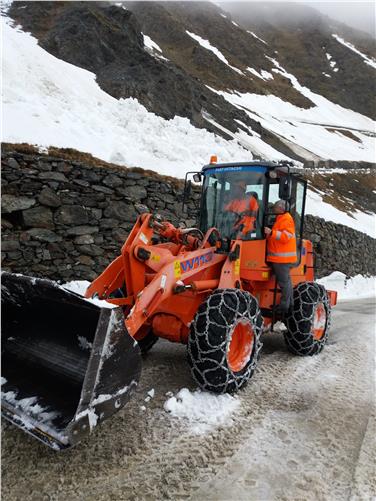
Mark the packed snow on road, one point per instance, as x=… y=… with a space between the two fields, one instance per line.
x=302 y=428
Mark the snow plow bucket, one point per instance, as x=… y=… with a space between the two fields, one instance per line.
x=67 y=364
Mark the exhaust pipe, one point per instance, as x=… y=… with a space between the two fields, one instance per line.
x=67 y=364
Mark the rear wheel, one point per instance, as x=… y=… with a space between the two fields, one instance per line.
x=224 y=340
x=309 y=321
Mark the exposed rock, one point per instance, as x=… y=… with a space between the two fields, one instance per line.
x=12 y=162
x=63 y=167
x=6 y=225
x=14 y=255
x=44 y=235
x=44 y=166
x=102 y=189
x=12 y=203
x=82 y=230
x=71 y=214
x=91 y=176
x=86 y=260
x=54 y=176
x=9 y=245
x=49 y=198
x=91 y=250
x=39 y=217
x=137 y=193
x=96 y=213
x=112 y=181
x=119 y=235
x=82 y=182
x=84 y=240
x=121 y=211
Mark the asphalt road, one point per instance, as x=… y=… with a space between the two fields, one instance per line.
x=305 y=430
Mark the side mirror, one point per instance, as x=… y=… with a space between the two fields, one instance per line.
x=284 y=191
x=197 y=177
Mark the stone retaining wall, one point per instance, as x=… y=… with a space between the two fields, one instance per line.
x=66 y=220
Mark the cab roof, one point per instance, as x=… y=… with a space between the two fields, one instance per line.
x=253 y=163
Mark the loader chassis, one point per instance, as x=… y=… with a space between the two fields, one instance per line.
x=152 y=271
x=208 y=287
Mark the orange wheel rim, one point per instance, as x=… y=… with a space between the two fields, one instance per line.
x=319 y=321
x=241 y=346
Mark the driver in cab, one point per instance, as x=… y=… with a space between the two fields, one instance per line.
x=245 y=206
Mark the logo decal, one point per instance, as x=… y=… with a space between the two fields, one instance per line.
x=195 y=262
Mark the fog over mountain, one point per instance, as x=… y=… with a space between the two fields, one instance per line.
x=358 y=15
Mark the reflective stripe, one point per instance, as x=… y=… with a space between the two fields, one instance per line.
x=288 y=234
x=278 y=236
x=281 y=254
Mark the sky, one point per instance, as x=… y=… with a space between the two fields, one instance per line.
x=359 y=15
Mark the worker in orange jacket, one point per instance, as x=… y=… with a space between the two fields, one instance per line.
x=246 y=206
x=281 y=252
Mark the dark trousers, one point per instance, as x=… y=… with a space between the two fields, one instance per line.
x=282 y=273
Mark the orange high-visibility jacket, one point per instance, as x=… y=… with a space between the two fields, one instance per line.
x=281 y=243
x=243 y=205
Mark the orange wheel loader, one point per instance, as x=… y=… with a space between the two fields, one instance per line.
x=68 y=364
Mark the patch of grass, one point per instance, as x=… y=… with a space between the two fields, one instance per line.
x=70 y=154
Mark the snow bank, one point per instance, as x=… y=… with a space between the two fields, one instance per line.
x=350 y=288
x=203 y=411
x=47 y=102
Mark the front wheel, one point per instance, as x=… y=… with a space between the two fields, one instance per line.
x=309 y=320
x=224 y=340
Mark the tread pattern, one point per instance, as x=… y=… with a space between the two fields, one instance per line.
x=298 y=336
x=210 y=337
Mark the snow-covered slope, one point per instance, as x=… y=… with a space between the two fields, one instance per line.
x=315 y=131
x=47 y=101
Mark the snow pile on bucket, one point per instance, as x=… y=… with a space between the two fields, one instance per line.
x=80 y=286
x=203 y=411
x=349 y=288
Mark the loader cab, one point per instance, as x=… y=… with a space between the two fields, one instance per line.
x=228 y=189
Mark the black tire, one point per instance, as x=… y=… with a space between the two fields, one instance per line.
x=211 y=333
x=147 y=342
x=300 y=322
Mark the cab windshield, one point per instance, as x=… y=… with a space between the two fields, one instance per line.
x=233 y=201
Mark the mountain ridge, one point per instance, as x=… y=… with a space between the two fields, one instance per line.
x=190 y=59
